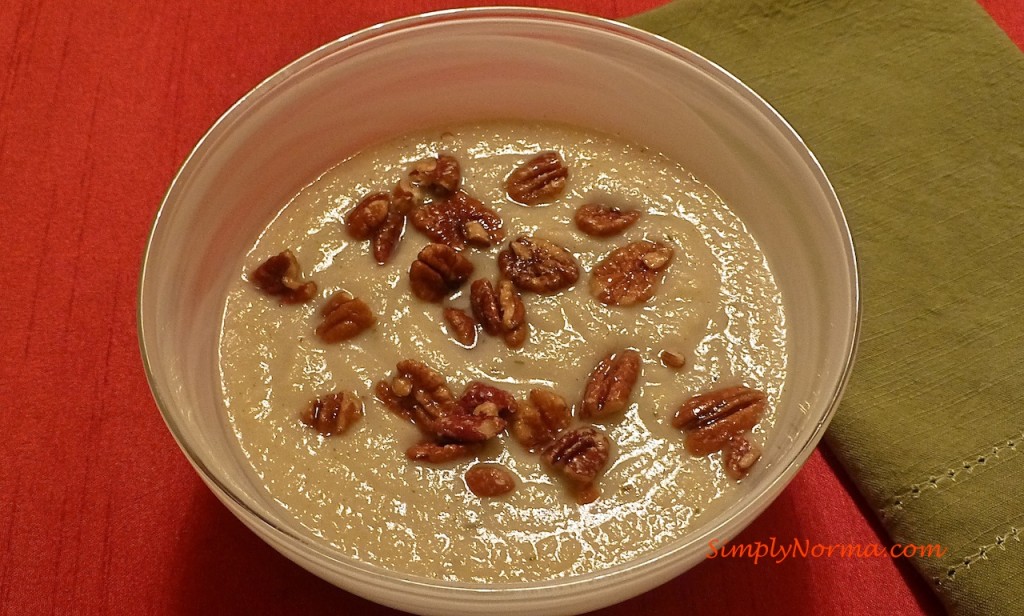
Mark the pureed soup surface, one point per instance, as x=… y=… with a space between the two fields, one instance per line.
x=718 y=306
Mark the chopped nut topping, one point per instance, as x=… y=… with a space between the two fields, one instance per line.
x=610 y=385
x=501 y=313
x=434 y=453
x=601 y=220
x=451 y=221
x=538 y=265
x=490 y=480
x=461 y=326
x=437 y=272
x=333 y=414
x=631 y=274
x=344 y=317
x=540 y=418
x=281 y=276
x=712 y=418
x=672 y=360
x=539 y=180
x=739 y=456
x=580 y=455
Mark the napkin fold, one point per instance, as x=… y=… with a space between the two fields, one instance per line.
x=915 y=109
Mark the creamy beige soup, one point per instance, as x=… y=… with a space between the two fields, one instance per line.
x=719 y=306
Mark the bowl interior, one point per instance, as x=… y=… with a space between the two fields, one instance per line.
x=486 y=64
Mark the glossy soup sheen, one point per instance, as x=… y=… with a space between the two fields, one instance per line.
x=719 y=307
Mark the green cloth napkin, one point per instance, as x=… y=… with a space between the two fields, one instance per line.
x=916 y=111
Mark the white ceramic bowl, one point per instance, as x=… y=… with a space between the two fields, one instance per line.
x=462 y=65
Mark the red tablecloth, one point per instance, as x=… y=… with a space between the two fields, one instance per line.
x=100 y=102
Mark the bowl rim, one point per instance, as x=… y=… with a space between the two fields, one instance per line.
x=750 y=506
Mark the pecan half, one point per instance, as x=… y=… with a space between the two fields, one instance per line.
x=461 y=326
x=483 y=301
x=739 y=456
x=501 y=312
x=580 y=455
x=537 y=265
x=344 y=317
x=672 y=360
x=457 y=219
x=419 y=394
x=428 y=451
x=437 y=272
x=281 y=276
x=631 y=274
x=540 y=418
x=333 y=413
x=387 y=236
x=601 y=220
x=539 y=180
x=367 y=216
x=610 y=385
x=377 y=218
x=490 y=480
x=440 y=175
x=712 y=418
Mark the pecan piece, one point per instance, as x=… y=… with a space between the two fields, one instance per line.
x=610 y=385
x=440 y=175
x=344 y=317
x=457 y=219
x=631 y=274
x=367 y=216
x=419 y=394
x=280 y=276
x=437 y=272
x=478 y=393
x=539 y=180
x=461 y=326
x=739 y=456
x=580 y=455
x=537 y=265
x=601 y=220
x=427 y=451
x=490 y=480
x=405 y=197
x=712 y=418
x=480 y=418
x=482 y=424
x=540 y=418
x=672 y=360
x=501 y=312
x=333 y=413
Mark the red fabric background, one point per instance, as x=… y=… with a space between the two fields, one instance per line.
x=100 y=102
